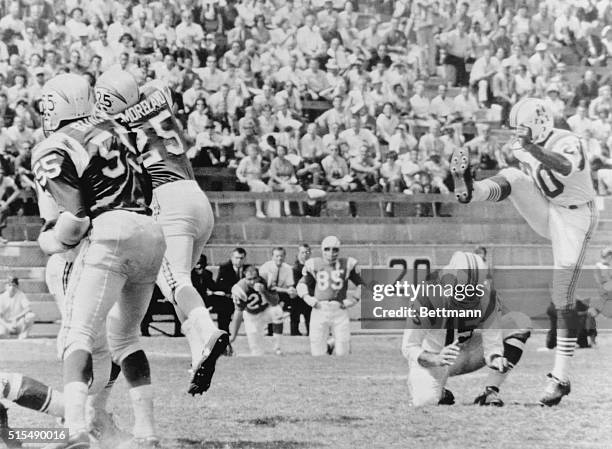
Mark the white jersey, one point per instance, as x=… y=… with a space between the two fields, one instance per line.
x=572 y=190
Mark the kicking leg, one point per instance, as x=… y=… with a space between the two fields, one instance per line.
x=30 y=393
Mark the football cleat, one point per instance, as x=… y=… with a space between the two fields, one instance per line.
x=490 y=396
x=554 y=391
x=104 y=431
x=462 y=175
x=204 y=370
x=77 y=441
x=447 y=398
x=4 y=429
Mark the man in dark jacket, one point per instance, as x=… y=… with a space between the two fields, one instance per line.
x=229 y=274
x=300 y=307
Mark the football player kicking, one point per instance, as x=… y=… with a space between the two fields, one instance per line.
x=179 y=206
x=99 y=187
x=324 y=286
x=262 y=307
x=437 y=347
x=555 y=195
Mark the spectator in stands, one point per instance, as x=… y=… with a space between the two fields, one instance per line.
x=465 y=105
x=523 y=84
x=420 y=103
x=458 y=46
x=431 y=142
x=283 y=177
x=386 y=123
x=311 y=145
x=503 y=90
x=364 y=169
x=229 y=274
x=483 y=148
x=587 y=89
x=278 y=276
x=250 y=172
x=356 y=136
x=402 y=141
x=579 y=122
x=410 y=166
x=16 y=316
x=554 y=101
x=604 y=98
x=391 y=179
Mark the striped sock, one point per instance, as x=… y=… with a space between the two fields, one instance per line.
x=563 y=355
x=495 y=188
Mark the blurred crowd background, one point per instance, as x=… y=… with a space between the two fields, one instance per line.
x=289 y=95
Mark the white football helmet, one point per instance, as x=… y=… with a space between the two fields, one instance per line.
x=116 y=90
x=65 y=97
x=534 y=114
x=330 y=247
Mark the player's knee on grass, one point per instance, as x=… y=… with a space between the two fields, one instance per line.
x=425 y=384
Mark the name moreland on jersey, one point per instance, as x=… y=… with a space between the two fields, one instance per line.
x=573 y=189
x=158 y=135
x=87 y=169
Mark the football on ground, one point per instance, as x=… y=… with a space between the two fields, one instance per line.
x=296 y=401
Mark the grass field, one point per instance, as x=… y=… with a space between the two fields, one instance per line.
x=361 y=401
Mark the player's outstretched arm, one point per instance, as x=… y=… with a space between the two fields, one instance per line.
x=554 y=161
x=445 y=357
x=236 y=322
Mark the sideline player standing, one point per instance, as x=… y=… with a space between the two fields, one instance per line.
x=179 y=206
x=324 y=286
x=555 y=195
x=98 y=186
x=437 y=348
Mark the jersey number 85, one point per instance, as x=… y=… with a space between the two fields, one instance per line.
x=325 y=280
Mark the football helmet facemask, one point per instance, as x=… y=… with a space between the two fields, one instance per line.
x=534 y=114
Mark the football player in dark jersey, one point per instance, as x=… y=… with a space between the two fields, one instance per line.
x=324 y=286
x=95 y=178
x=180 y=207
x=258 y=306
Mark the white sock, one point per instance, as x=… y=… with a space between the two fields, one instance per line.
x=56 y=404
x=142 y=405
x=75 y=398
x=495 y=378
x=203 y=323
x=277 y=340
x=196 y=346
x=98 y=402
x=563 y=356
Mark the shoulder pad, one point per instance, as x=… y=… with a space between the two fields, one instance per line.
x=311 y=265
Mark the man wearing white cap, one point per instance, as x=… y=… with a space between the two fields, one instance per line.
x=324 y=286
x=442 y=346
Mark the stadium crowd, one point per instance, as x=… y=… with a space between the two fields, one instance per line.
x=326 y=94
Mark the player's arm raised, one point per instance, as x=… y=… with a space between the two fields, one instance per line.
x=555 y=161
